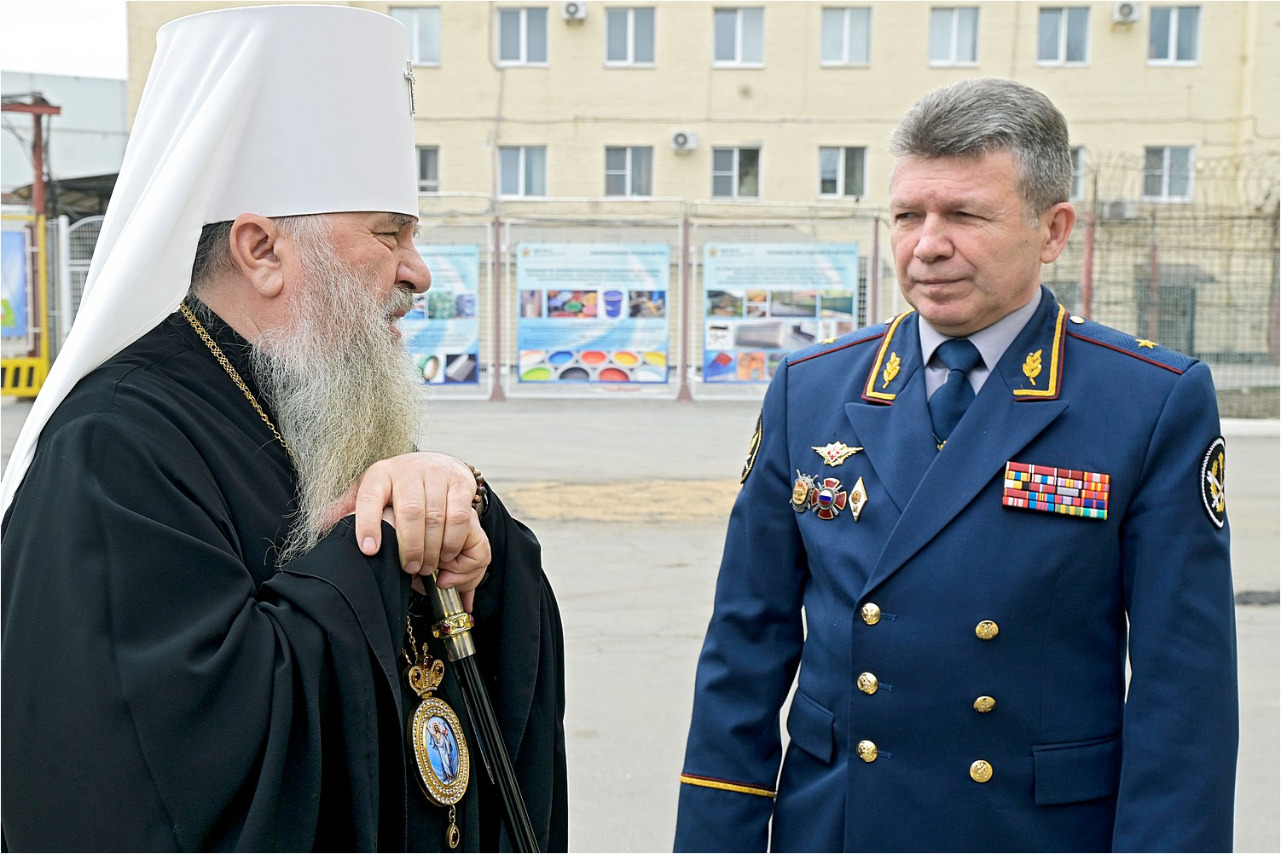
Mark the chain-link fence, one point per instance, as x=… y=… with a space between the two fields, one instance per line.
x=1198 y=275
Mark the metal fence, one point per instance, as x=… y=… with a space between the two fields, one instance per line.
x=1199 y=282
x=1164 y=279
x=76 y=242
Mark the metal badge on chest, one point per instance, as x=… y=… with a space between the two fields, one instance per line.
x=826 y=497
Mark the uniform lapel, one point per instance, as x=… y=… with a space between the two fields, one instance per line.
x=897 y=439
x=1017 y=403
x=892 y=422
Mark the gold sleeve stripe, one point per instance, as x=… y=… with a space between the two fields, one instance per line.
x=729 y=787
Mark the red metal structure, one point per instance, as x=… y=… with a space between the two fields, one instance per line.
x=23 y=375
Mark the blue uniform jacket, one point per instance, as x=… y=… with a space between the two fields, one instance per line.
x=962 y=663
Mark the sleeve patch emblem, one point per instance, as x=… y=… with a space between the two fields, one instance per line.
x=752 y=448
x=1213 y=482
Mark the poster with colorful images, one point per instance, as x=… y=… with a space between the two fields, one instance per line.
x=442 y=330
x=13 y=298
x=592 y=312
x=763 y=300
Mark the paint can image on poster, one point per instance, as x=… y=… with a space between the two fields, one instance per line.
x=592 y=312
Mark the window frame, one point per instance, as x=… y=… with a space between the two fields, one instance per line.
x=1061 y=59
x=419 y=151
x=846 y=41
x=415 y=31
x=1080 y=167
x=629 y=171
x=1171 y=58
x=523 y=171
x=524 y=59
x=842 y=160
x=631 y=37
x=1166 y=174
x=738 y=61
x=736 y=173
x=954 y=32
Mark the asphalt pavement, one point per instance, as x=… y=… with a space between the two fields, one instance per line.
x=630 y=499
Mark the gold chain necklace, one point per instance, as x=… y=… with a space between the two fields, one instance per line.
x=231 y=372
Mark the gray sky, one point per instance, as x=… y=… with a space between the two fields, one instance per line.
x=81 y=38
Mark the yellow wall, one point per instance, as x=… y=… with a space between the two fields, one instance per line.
x=1226 y=105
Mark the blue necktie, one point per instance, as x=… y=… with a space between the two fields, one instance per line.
x=950 y=400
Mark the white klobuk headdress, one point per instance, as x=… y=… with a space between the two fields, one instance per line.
x=273 y=110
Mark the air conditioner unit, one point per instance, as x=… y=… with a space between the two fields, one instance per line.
x=1125 y=12
x=1119 y=209
x=684 y=141
x=573 y=11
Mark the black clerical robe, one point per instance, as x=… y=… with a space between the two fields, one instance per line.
x=167 y=686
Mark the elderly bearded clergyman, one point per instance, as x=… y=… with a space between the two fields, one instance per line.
x=201 y=649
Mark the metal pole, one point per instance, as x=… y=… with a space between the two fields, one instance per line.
x=685 y=285
x=1154 y=290
x=874 y=274
x=64 y=279
x=42 y=288
x=1087 y=268
x=37 y=167
x=496 y=309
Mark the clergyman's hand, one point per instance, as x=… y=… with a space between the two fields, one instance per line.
x=428 y=500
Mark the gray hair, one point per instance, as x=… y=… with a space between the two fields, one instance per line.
x=975 y=117
x=213 y=251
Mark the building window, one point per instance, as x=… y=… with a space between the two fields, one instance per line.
x=740 y=37
x=847 y=36
x=841 y=171
x=954 y=36
x=1174 y=36
x=1063 y=36
x=522 y=36
x=629 y=36
x=736 y=173
x=1078 y=172
x=1167 y=173
x=428 y=169
x=522 y=171
x=423 y=23
x=629 y=171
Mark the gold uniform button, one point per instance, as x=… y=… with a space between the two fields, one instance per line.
x=868 y=683
x=867 y=750
x=871 y=613
x=981 y=771
x=987 y=630
x=984 y=704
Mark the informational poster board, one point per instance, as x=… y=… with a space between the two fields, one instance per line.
x=13 y=299
x=592 y=312
x=442 y=330
x=763 y=300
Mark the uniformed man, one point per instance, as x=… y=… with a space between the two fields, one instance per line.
x=959 y=525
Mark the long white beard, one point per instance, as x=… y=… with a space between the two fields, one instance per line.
x=342 y=387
